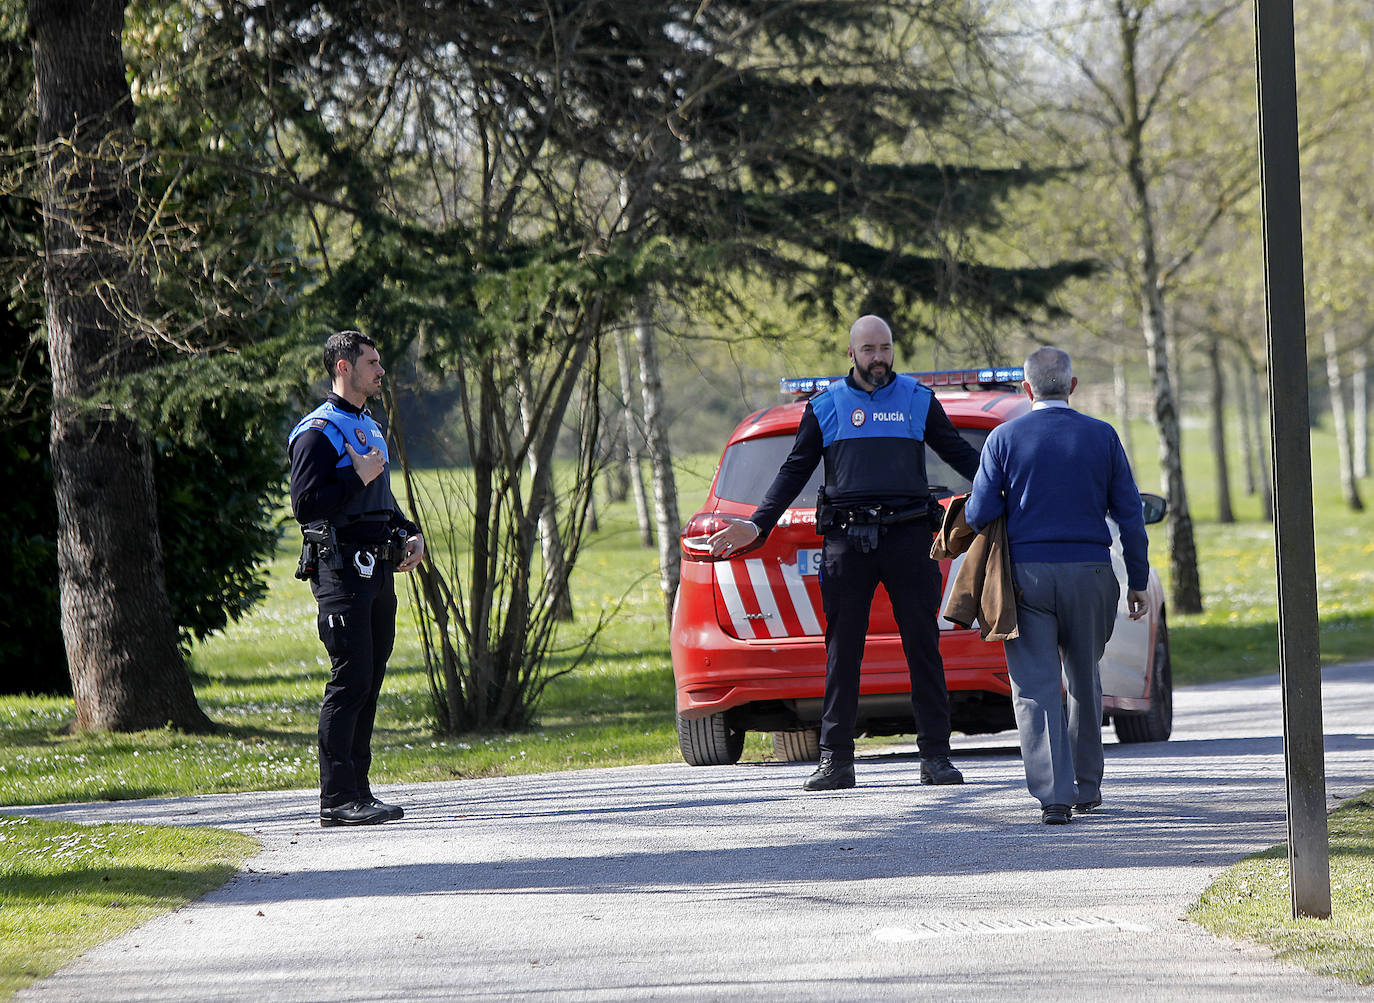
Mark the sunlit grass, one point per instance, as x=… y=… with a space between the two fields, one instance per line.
x=66 y=887
x=1251 y=901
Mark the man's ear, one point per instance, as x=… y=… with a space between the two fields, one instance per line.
x=1073 y=383
x=1025 y=385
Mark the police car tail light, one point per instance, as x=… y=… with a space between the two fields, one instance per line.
x=696 y=536
x=971 y=379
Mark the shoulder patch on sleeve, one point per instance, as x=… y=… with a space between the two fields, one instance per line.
x=318 y=423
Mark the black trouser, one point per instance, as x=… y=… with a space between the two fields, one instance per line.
x=357 y=624
x=849 y=577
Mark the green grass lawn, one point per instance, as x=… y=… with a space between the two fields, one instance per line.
x=66 y=887
x=261 y=680
x=1251 y=902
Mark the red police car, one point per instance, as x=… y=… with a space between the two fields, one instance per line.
x=748 y=633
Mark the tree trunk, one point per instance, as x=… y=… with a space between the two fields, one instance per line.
x=1186 y=588
x=1218 y=407
x=660 y=457
x=618 y=465
x=1261 y=440
x=1245 y=406
x=550 y=543
x=1121 y=395
x=1340 y=419
x=121 y=640
x=1359 y=386
x=633 y=437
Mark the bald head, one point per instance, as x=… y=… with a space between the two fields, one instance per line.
x=869 y=326
x=870 y=348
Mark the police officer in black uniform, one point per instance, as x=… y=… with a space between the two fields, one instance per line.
x=355 y=536
x=871 y=429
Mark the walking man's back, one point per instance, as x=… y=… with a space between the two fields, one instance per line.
x=1057 y=475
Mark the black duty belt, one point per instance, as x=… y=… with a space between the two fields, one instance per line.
x=880 y=515
x=392 y=552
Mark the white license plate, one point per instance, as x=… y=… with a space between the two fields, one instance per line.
x=809 y=562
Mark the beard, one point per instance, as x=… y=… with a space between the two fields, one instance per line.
x=878 y=379
x=367 y=388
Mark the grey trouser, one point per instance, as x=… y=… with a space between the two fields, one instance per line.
x=1063 y=610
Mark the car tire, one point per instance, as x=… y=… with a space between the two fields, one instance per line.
x=709 y=741
x=1157 y=723
x=797 y=746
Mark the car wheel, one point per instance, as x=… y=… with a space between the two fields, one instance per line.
x=709 y=741
x=797 y=746
x=1157 y=723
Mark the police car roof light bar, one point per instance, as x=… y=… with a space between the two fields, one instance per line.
x=806 y=386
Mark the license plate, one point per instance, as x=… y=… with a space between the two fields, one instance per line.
x=809 y=562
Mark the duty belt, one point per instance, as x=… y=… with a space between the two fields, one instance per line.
x=392 y=552
x=878 y=515
x=863 y=525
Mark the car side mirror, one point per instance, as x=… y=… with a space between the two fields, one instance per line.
x=1155 y=508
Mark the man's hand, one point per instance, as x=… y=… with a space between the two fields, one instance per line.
x=415 y=551
x=1137 y=604
x=732 y=538
x=369 y=465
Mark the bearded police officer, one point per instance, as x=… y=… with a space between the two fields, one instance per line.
x=871 y=429
x=355 y=537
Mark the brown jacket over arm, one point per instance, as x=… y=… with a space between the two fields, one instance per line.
x=983 y=588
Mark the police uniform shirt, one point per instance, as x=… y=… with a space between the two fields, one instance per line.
x=324 y=483
x=873 y=444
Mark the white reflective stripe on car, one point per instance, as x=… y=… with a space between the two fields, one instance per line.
x=768 y=605
x=801 y=600
x=734 y=603
x=769 y=596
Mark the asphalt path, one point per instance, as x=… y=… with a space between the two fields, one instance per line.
x=731 y=882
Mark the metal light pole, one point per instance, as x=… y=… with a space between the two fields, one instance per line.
x=1299 y=651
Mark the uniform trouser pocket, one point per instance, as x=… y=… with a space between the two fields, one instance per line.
x=356 y=624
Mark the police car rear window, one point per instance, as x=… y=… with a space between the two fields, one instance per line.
x=748 y=468
x=941 y=477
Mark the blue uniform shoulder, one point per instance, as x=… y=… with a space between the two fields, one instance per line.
x=328 y=419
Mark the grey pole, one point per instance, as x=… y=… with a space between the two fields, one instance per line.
x=1299 y=651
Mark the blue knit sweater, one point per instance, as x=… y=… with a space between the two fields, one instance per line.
x=1056 y=475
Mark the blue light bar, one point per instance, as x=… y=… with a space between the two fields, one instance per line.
x=806 y=386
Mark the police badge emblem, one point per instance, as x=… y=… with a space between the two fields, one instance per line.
x=857 y=416
x=361 y=436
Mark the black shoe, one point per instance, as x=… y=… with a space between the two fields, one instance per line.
x=1056 y=814
x=393 y=811
x=831 y=775
x=1086 y=806
x=939 y=770
x=354 y=813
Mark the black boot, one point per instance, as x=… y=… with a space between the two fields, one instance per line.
x=939 y=770
x=831 y=775
x=353 y=813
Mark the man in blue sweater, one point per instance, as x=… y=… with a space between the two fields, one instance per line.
x=1056 y=475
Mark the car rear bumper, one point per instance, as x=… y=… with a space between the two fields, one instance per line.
x=714 y=672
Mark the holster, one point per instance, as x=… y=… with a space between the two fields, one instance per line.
x=827 y=515
x=319 y=549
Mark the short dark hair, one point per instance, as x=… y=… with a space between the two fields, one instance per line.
x=344 y=345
